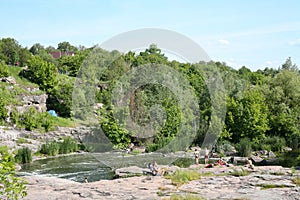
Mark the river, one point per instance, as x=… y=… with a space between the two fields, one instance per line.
x=94 y=166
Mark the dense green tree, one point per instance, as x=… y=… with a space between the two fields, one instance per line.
x=288 y=65
x=283 y=97
x=66 y=46
x=70 y=65
x=36 y=48
x=247 y=116
x=60 y=99
x=10 y=50
x=24 y=56
x=42 y=73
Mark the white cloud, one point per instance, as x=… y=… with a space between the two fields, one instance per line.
x=269 y=62
x=224 y=42
x=295 y=42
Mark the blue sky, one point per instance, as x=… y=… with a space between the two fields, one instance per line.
x=255 y=34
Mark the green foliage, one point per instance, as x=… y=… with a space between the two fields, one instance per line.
x=244 y=147
x=46 y=120
x=183 y=162
x=42 y=73
x=11 y=187
x=262 y=106
x=21 y=140
x=289 y=159
x=117 y=135
x=63 y=122
x=70 y=64
x=53 y=148
x=181 y=177
x=3 y=109
x=23 y=155
x=4 y=71
x=50 y=148
x=269 y=143
x=66 y=46
x=31 y=120
x=60 y=98
x=9 y=50
x=68 y=145
x=248 y=116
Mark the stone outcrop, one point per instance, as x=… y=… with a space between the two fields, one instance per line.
x=259 y=184
x=34 y=139
x=9 y=80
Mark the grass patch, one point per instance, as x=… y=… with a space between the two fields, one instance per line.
x=240 y=172
x=136 y=151
x=186 y=197
x=270 y=186
x=21 y=140
x=183 y=162
x=181 y=177
x=296 y=180
x=15 y=71
x=277 y=173
x=23 y=156
x=54 y=148
x=64 y=122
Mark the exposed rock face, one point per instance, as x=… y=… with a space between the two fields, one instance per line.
x=33 y=139
x=9 y=80
x=214 y=186
x=36 y=101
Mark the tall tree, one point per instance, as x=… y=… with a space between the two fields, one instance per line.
x=66 y=46
x=10 y=50
x=42 y=73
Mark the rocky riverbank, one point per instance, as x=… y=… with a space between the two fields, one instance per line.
x=272 y=182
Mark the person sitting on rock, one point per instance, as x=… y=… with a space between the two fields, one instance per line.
x=249 y=164
x=85 y=180
x=220 y=162
x=130 y=148
x=155 y=170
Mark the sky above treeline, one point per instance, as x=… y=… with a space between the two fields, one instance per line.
x=256 y=34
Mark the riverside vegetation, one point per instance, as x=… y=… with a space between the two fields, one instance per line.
x=262 y=113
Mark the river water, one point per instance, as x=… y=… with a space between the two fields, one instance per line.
x=94 y=166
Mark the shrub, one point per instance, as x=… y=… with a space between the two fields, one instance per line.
x=68 y=145
x=276 y=143
x=23 y=155
x=30 y=119
x=50 y=148
x=54 y=148
x=4 y=71
x=273 y=143
x=46 y=121
x=12 y=187
x=244 y=147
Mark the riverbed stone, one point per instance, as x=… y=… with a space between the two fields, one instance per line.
x=214 y=186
